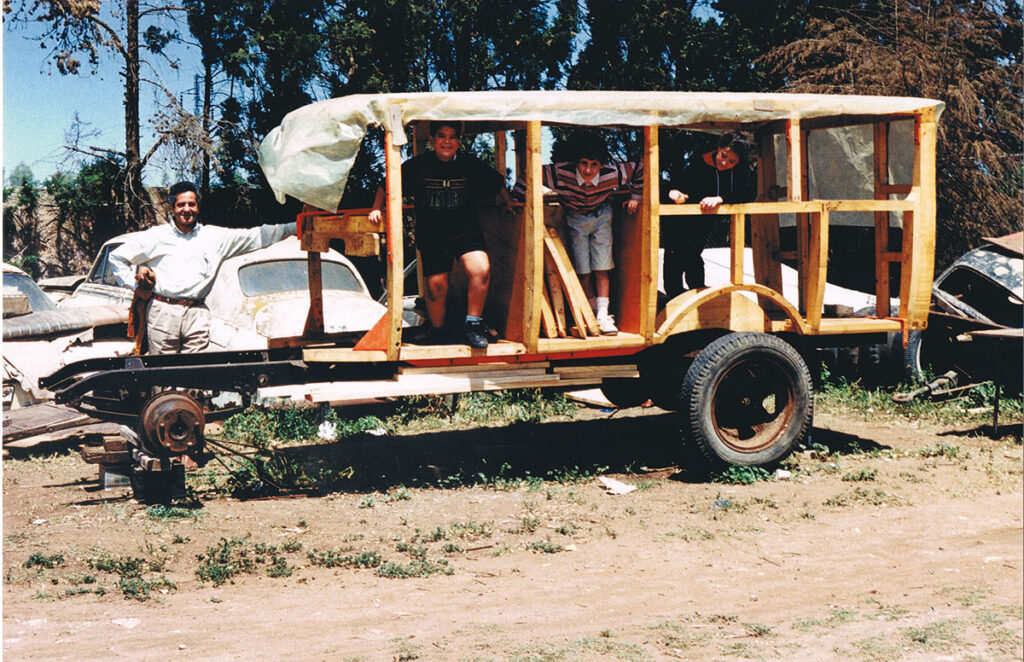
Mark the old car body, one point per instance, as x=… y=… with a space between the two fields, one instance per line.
x=39 y=337
x=259 y=295
x=976 y=317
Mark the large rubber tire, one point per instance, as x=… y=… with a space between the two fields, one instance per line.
x=624 y=392
x=749 y=400
x=928 y=354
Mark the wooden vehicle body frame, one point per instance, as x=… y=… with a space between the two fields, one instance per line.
x=524 y=285
x=534 y=292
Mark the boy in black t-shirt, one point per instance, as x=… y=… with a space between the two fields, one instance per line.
x=445 y=187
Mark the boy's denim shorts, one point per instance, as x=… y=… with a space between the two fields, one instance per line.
x=590 y=238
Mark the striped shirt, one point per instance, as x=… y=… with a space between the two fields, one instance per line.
x=582 y=197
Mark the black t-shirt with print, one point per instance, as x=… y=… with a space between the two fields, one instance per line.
x=445 y=193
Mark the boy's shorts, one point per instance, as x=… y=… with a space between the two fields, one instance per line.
x=437 y=255
x=590 y=237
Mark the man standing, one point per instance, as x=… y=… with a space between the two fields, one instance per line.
x=584 y=189
x=179 y=261
x=446 y=186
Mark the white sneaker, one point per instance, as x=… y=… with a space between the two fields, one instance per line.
x=607 y=326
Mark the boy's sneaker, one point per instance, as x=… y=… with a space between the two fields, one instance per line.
x=476 y=334
x=607 y=326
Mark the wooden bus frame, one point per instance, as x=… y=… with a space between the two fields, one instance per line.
x=730 y=357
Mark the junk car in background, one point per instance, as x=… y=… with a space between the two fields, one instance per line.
x=259 y=295
x=977 y=312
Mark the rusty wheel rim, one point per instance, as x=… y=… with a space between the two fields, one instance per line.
x=753 y=404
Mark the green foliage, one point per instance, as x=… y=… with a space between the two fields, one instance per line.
x=839 y=393
x=741 y=475
x=415 y=568
x=530 y=405
x=139 y=588
x=860 y=475
x=173 y=513
x=545 y=547
x=124 y=566
x=131 y=572
x=338 y=559
x=962 y=52
x=22 y=229
x=40 y=560
x=941 y=450
x=88 y=208
x=225 y=560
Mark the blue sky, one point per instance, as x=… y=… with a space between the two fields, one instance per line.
x=39 y=104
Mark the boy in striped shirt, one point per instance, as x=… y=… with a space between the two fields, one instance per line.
x=584 y=188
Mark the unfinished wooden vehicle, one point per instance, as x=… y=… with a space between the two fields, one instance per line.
x=731 y=358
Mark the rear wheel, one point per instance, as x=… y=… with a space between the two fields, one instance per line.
x=748 y=399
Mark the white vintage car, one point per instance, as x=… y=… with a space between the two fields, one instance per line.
x=256 y=296
x=39 y=338
x=259 y=295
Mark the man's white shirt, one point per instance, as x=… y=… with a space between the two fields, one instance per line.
x=186 y=264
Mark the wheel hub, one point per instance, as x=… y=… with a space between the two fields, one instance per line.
x=172 y=423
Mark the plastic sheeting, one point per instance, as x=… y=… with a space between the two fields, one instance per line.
x=310 y=154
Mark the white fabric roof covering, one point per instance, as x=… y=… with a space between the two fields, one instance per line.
x=310 y=154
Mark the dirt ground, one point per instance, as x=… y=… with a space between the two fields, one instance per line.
x=900 y=542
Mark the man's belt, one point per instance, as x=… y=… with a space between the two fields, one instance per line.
x=179 y=302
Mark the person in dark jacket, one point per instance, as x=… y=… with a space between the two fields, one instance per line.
x=718 y=177
x=445 y=186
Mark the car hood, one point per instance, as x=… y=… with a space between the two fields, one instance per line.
x=283 y=314
x=53 y=322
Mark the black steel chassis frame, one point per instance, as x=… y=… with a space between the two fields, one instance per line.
x=238 y=372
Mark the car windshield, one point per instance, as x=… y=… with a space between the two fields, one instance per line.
x=292 y=275
x=102 y=271
x=983 y=295
x=37 y=299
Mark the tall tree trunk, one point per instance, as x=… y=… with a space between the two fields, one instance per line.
x=135 y=194
x=207 y=94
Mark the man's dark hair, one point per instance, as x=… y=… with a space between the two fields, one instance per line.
x=436 y=125
x=182 y=187
x=592 y=148
x=738 y=142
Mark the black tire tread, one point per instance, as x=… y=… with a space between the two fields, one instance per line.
x=705 y=368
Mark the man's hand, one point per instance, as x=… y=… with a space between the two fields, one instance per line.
x=677 y=196
x=631 y=206
x=710 y=203
x=145 y=277
x=375 y=216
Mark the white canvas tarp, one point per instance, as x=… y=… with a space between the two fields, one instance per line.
x=310 y=154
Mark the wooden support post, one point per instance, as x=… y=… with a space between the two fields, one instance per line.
x=737 y=239
x=547 y=318
x=764 y=228
x=532 y=239
x=500 y=149
x=650 y=228
x=395 y=262
x=919 y=228
x=816 y=267
x=586 y=323
x=795 y=171
x=315 y=317
x=796 y=184
x=881 y=144
x=557 y=296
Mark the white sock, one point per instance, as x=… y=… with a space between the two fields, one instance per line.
x=602 y=307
